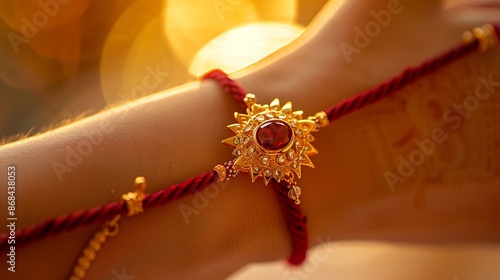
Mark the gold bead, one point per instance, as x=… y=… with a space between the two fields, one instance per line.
x=100 y=236
x=134 y=199
x=221 y=171
x=481 y=37
x=250 y=99
x=89 y=253
x=140 y=183
x=79 y=272
x=485 y=35
x=94 y=244
x=322 y=119
x=467 y=37
x=84 y=262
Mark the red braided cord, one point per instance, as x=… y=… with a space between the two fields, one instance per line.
x=228 y=85
x=396 y=83
x=296 y=223
x=103 y=213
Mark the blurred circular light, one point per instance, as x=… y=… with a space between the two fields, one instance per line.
x=278 y=10
x=151 y=65
x=191 y=24
x=242 y=46
x=119 y=43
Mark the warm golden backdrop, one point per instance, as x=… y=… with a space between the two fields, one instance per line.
x=64 y=57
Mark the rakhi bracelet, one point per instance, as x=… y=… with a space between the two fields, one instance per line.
x=481 y=38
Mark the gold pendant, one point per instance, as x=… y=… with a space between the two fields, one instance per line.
x=273 y=141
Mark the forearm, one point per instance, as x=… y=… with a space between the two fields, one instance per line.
x=102 y=154
x=167 y=140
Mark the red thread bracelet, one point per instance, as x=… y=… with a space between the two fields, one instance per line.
x=481 y=38
x=295 y=220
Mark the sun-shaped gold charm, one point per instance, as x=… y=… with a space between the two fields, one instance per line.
x=273 y=141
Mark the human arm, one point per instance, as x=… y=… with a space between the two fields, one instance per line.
x=142 y=142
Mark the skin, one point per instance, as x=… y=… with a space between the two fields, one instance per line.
x=451 y=197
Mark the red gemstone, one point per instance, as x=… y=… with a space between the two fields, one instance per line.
x=274 y=135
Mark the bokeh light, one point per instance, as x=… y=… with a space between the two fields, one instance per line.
x=242 y=46
x=119 y=42
x=165 y=36
x=189 y=25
